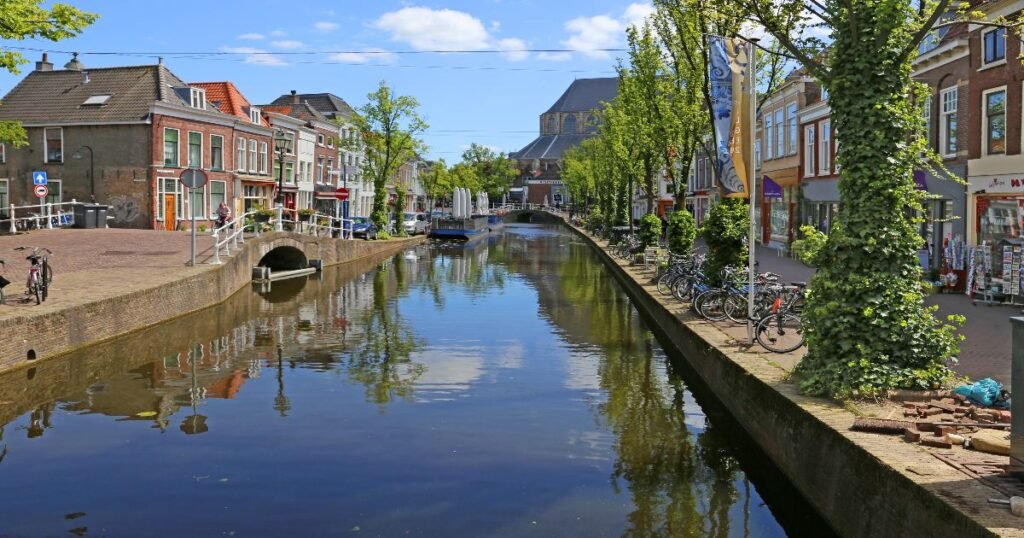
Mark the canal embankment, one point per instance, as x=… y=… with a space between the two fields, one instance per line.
x=862 y=484
x=144 y=282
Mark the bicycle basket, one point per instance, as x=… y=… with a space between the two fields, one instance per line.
x=3 y=282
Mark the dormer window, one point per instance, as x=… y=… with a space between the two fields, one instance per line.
x=198 y=98
x=254 y=115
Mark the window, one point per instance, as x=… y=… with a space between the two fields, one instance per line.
x=198 y=98
x=252 y=156
x=4 y=196
x=216 y=152
x=196 y=203
x=263 y=158
x=995 y=122
x=3 y=155
x=926 y=116
x=824 y=93
x=240 y=155
x=319 y=139
x=168 y=186
x=757 y=153
x=825 y=157
x=289 y=172
x=254 y=115
x=780 y=133
x=218 y=194
x=809 y=150
x=170 y=147
x=947 y=125
x=320 y=170
x=195 y=149
x=768 y=145
x=330 y=168
x=793 y=135
x=993 y=45
x=569 y=125
x=330 y=141
x=53 y=137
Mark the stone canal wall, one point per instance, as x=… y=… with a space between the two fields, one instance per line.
x=859 y=483
x=35 y=336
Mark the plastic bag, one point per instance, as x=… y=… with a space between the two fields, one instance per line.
x=987 y=392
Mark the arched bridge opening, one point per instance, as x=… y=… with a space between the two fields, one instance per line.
x=531 y=217
x=284 y=258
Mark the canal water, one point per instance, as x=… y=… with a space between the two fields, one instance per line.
x=503 y=388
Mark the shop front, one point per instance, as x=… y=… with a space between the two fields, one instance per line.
x=997 y=207
x=699 y=203
x=943 y=221
x=778 y=194
x=255 y=193
x=821 y=203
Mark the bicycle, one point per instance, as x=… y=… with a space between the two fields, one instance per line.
x=782 y=330
x=40 y=274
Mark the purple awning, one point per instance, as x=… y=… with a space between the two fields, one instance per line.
x=771 y=188
x=919 y=180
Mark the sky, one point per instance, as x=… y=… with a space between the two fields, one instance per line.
x=493 y=99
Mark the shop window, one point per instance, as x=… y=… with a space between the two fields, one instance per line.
x=995 y=122
x=999 y=217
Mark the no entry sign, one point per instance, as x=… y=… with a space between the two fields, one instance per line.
x=341 y=194
x=40 y=191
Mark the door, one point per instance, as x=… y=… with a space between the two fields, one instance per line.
x=170 y=218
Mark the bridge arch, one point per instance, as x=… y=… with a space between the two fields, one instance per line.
x=284 y=258
x=531 y=217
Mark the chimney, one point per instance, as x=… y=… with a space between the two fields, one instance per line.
x=85 y=77
x=74 y=64
x=295 y=97
x=44 y=65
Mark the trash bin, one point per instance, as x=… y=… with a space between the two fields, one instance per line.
x=90 y=216
x=101 y=216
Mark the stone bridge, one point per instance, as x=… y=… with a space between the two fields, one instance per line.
x=531 y=216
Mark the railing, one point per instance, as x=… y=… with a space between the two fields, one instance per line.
x=51 y=213
x=232 y=233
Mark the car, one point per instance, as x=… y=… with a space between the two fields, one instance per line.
x=415 y=223
x=364 y=227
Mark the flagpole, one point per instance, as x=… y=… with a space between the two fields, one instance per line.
x=752 y=180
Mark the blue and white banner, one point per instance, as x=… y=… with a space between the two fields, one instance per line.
x=730 y=103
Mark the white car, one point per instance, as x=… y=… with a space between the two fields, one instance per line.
x=415 y=223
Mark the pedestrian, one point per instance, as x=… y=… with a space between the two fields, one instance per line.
x=223 y=214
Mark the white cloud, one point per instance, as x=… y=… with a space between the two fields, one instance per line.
x=325 y=26
x=516 y=49
x=554 y=56
x=590 y=34
x=257 y=56
x=430 y=29
x=362 y=57
x=635 y=14
x=288 y=44
x=278 y=33
x=252 y=37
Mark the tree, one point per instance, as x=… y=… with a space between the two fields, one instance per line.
x=389 y=125
x=26 y=19
x=436 y=182
x=494 y=169
x=867 y=327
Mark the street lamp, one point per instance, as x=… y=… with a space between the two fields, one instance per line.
x=281 y=145
x=92 y=171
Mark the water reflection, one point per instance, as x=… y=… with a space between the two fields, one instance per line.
x=503 y=387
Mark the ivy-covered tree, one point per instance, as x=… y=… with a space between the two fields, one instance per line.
x=390 y=125
x=28 y=19
x=867 y=327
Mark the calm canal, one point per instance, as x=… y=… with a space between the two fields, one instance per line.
x=505 y=388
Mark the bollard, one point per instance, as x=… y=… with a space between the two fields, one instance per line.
x=1017 y=404
x=49 y=216
x=279 y=226
x=14 y=228
x=216 y=247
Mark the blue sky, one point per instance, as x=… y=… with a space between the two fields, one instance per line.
x=492 y=99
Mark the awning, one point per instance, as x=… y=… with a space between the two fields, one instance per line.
x=787 y=177
x=771 y=189
x=920 y=183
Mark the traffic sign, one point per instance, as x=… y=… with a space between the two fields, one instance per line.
x=193 y=178
x=341 y=193
x=40 y=191
x=39 y=177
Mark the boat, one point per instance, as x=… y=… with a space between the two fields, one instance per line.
x=463 y=224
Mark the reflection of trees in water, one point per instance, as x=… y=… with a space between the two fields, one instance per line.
x=381 y=363
x=470 y=267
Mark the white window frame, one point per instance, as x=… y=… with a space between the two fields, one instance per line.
x=780 y=132
x=253 y=155
x=769 y=129
x=189 y=152
x=320 y=170
x=198 y=96
x=825 y=148
x=46 y=145
x=213 y=208
x=240 y=149
x=330 y=141
x=757 y=153
x=201 y=215
x=948 y=106
x=177 y=147
x=254 y=115
x=160 y=193
x=221 y=137
x=984 y=118
x=926 y=115
x=320 y=140
x=810 y=150
x=263 y=158
x=5 y=194
x=792 y=129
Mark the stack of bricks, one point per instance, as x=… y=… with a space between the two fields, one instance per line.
x=939 y=422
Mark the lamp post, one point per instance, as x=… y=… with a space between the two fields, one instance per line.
x=281 y=145
x=92 y=171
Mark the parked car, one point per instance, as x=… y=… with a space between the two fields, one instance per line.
x=364 y=227
x=415 y=223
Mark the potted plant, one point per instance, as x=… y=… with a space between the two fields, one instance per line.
x=262 y=214
x=306 y=214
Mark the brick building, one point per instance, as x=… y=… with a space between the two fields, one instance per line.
x=566 y=124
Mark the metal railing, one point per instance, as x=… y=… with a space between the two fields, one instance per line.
x=232 y=233
x=38 y=216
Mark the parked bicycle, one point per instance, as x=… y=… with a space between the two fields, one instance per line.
x=781 y=331
x=40 y=273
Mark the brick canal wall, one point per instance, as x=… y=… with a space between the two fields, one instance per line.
x=34 y=337
x=856 y=492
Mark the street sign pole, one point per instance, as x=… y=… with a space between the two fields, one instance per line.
x=193 y=178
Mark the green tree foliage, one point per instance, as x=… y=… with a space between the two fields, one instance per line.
x=436 y=182
x=495 y=170
x=867 y=327
x=28 y=19
x=650 y=230
x=682 y=230
x=390 y=125
x=810 y=246
x=725 y=231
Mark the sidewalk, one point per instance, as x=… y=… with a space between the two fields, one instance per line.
x=986 y=350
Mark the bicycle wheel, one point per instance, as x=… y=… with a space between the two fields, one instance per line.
x=682 y=288
x=47 y=272
x=780 y=333
x=712 y=307
x=36 y=292
x=665 y=283
x=736 y=308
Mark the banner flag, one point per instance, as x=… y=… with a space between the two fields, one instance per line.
x=730 y=103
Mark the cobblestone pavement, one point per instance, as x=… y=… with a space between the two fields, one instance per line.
x=96 y=264
x=985 y=352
